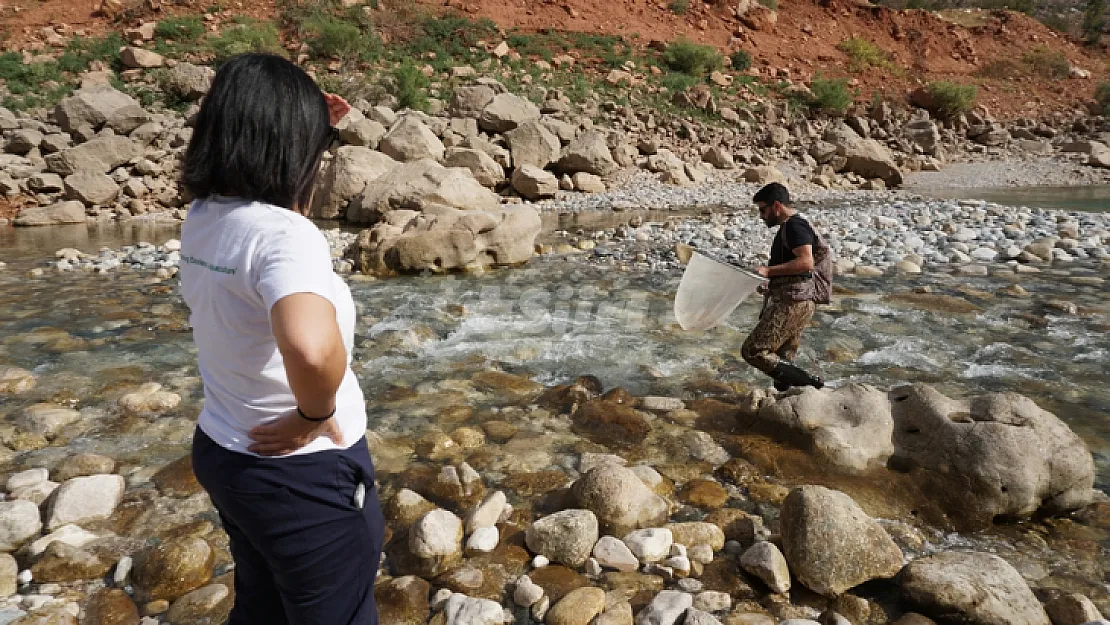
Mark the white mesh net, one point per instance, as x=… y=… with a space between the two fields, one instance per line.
x=709 y=291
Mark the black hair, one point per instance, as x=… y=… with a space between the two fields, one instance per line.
x=771 y=193
x=259 y=135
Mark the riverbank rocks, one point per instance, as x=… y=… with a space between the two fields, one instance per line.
x=111 y=606
x=993 y=456
x=765 y=561
x=619 y=499
x=588 y=153
x=442 y=239
x=91 y=188
x=831 y=544
x=566 y=537
x=345 y=176
x=72 y=212
x=208 y=604
x=505 y=112
x=149 y=399
x=849 y=427
x=532 y=143
x=1072 y=609
x=66 y=563
x=13 y=380
x=20 y=521
x=91 y=107
x=667 y=608
x=612 y=553
x=100 y=156
x=533 y=183
x=578 y=607
x=437 y=536
x=411 y=140
x=46 y=419
x=463 y=610
x=972 y=588
x=610 y=424
x=488 y=172
x=84 y=499
x=172 y=568
x=419 y=184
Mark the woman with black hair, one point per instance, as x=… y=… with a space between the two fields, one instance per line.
x=280 y=445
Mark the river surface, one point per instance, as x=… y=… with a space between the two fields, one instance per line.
x=1092 y=198
x=420 y=341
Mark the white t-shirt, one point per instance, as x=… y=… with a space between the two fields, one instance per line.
x=238 y=259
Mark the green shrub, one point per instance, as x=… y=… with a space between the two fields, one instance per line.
x=678 y=82
x=331 y=37
x=679 y=7
x=449 y=37
x=1094 y=20
x=863 y=54
x=741 y=60
x=1102 y=94
x=692 y=59
x=830 y=95
x=952 y=98
x=1047 y=63
x=82 y=52
x=409 y=84
x=247 y=35
x=1002 y=69
x=185 y=29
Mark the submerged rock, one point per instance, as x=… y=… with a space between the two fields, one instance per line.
x=972 y=588
x=173 y=568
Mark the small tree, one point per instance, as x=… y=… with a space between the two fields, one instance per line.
x=1094 y=20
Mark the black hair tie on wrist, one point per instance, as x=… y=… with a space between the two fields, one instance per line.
x=315 y=419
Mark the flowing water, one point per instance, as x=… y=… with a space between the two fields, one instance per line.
x=420 y=342
x=1091 y=198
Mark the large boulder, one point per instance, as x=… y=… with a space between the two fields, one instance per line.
x=871 y=159
x=506 y=111
x=621 y=501
x=993 y=456
x=971 y=588
x=90 y=107
x=925 y=134
x=83 y=499
x=188 y=81
x=346 y=176
x=588 y=153
x=418 y=184
x=62 y=213
x=831 y=544
x=849 y=427
x=92 y=188
x=20 y=521
x=471 y=101
x=485 y=170
x=533 y=183
x=411 y=140
x=565 y=537
x=101 y=155
x=443 y=239
x=531 y=143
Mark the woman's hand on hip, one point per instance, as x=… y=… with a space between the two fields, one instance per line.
x=337 y=107
x=290 y=432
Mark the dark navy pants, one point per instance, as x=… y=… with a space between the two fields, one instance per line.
x=305 y=554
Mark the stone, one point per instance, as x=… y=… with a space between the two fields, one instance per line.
x=578 y=607
x=1072 y=609
x=609 y=423
x=65 y=563
x=526 y=592
x=19 y=522
x=505 y=112
x=84 y=499
x=9 y=575
x=172 y=568
x=533 y=183
x=111 y=606
x=976 y=588
x=613 y=553
x=176 y=479
x=81 y=465
x=23 y=141
x=437 y=535
x=403 y=600
x=483 y=540
x=667 y=608
x=925 y=134
x=997 y=455
x=695 y=616
x=765 y=561
x=149 y=398
x=91 y=188
x=993 y=137
x=363 y=133
x=703 y=494
x=485 y=170
x=463 y=610
x=649 y=545
x=208 y=604
x=24 y=479
x=713 y=601
x=488 y=513
x=849 y=427
x=871 y=159
x=188 y=81
x=46 y=419
x=589 y=153
x=698 y=533
x=419 y=184
x=90 y=107
x=588 y=183
x=68 y=534
x=411 y=140
x=764 y=174
x=15 y=381
x=620 y=500
x=831 y=544
x=138 y=58
x=470 y=101
x=566 y=537
x=45 y=183
x=719 y=157
x=531 y=143
x=100 y=155
x=346 y=177
x=55 y=214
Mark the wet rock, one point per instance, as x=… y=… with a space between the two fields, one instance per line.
x=935 y=302
x=588 y=153
x=149 y=398
x=85 y=499
x=831 y=544
x=613 y=553
x=695 y=616
x=403 y=600
x=406 y=507
x=667 y=608
x=81 y=465
x=566 y=537
x=620 y=500
x=505 y=112
x=100 y=155
x=53 y=215
x=765 y=561
x=995 y=455
x=437 y=539
x=209 y=604
x=703 y=494
x=579 y=607
x=488 y=513
x=526 y=593
x=172 y=568
x=411 y=140
x=557 y=581
x=65 y=563
x=531 y=143
x=177 y=479
x=610 y=424
x=69 y=534
x=499 y=431
x=9 y=575
x=617 y=612
x=110 y=606
x=698 y=533
x=463 y=610
x=974 y=588
x=14 y=380
x=20 y=521
x=1072 y=609
x=849 y=427
x=47 y=419
x=650 y=545
x=90 y=107
x=506 y=384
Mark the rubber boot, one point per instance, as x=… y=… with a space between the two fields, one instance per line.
x=789 y=374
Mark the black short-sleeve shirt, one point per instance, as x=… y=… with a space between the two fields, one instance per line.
x=795 y=232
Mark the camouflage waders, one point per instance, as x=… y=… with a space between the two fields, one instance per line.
x=778 y=334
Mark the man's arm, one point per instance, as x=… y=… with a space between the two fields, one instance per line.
x=802 y=263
